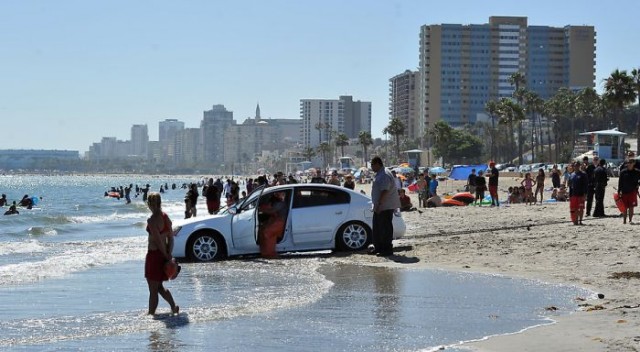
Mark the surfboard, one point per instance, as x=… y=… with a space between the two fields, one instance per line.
x=619 y=203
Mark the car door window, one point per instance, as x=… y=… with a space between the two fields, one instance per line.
x=314 y=197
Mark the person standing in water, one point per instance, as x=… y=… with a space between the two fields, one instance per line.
x=159 y=247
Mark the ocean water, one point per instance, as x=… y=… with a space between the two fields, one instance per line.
x=71 y=278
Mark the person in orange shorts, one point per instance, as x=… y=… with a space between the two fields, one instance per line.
x=578 y=184
x=628 y=189
x=272 y=224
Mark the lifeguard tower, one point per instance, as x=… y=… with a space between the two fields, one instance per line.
x=606 y=144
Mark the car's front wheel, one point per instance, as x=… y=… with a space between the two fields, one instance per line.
x=206 y=247
x=353 y=236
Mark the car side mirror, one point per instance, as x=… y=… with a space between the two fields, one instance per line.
x=233 y=210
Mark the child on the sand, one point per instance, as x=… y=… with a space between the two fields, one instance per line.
x=481 y=186
x=539 y=186
x=528 y=184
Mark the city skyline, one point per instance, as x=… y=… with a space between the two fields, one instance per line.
x=74 y=72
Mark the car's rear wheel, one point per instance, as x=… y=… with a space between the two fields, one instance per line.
x=353 y=236
x=206 y=247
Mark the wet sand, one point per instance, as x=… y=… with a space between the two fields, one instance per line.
x=537 y=242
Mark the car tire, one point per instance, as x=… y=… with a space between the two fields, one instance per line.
x=206 y=247
x=353 y=236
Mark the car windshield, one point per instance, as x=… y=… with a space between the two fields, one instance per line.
x=245 y=202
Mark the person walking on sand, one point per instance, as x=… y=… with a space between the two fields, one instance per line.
x=384 y=196
x=539 y=186
x=555 y=176
x=481 y=186
x=578 y=185
x=628 y=189
x=600 y=179
x=159 y=247
x=493 y=175
x=528 y=184
x=591 y=190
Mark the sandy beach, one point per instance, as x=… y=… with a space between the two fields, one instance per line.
x=535 y=242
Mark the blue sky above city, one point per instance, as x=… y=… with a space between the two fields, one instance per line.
x=73 y=72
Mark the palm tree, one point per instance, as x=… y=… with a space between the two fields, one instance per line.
x=319 y=126
x=341 y=141
x=323 y=149
x=619 y=91
x=635 y=76
x=441 y=133
x=552 y=110
x=517 y=80
x=396 y=129
x=492 y=108
x=510 y=113
x=568 y=102
x=531 y=104
x=587 y=105
x=308 y=153
x=365 y=140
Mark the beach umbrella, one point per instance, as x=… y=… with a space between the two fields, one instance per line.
x=403 y=170
x=437 y=170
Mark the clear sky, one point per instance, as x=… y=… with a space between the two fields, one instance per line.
x=72 y=72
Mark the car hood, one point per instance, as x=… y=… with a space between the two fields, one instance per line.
x=207 y=218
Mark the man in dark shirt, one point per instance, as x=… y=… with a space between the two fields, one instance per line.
x=591 y=187
x=578 y=184
x=471 y=182
x=317 y=178
x=493 y=184
x=630 y=156
x=628 y=189
x=600 y=180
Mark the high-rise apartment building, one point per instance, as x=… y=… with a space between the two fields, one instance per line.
x=212 y=127
x=464 y=66
x=322 y=117
x=139 y=140
x=403 y=102
x=188 y=147
x=167 y=131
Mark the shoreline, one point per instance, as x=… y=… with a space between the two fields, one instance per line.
x=536 y=242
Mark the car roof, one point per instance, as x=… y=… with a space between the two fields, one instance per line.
x=312 y=185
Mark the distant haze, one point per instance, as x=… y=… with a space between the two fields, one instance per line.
x=75 y=71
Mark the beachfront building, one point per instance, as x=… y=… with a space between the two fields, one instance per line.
x=36 y=158
x=403 y=102
x=109 y=148
x=322 y=118
x=139 y=140
x=167 y=131
x=188 y=147
x=464 y=66
x=212 y=129
x=245 y=142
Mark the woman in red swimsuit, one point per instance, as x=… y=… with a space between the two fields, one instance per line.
x=158 y=253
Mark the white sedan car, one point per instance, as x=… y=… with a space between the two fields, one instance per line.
x=319 y=217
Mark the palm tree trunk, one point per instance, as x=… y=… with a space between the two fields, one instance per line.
x=533 y=137
x=540 y=146
x=573 y=134
x=549 y=139
x=493 y=138
x=638 y=131
x=520 y=144
x=555 y=136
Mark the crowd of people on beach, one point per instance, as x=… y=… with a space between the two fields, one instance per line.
x=582 y=184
